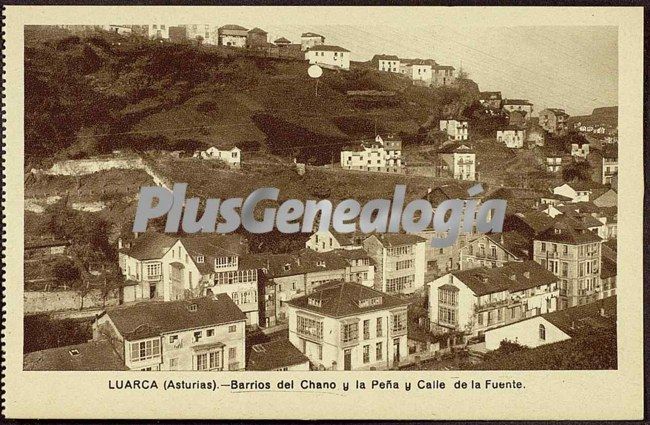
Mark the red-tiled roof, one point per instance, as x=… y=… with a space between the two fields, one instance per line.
x=274 y=355
x=150 y=246
x=568 y=230
x=585 y=318
x=151 y=318
x=488 y=280
x=291 y=264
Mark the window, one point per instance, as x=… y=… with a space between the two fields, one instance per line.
x=399 y=322
x=145 y=350
x=209 y=332
x=350 y=332
x=398 y=284
x=208 y=361
x=320 y=352
x=404 y=264
x=480 y=319
x=366 y=354
x=543 y=246
x=198 y=335
x=154 y=269
x=309 y=327
x=542 y=332
x=366 y=329
x=447 y=315
x=232 y=328
x=173 y=339
x=232 y=353
x=173 y=364
x=379 y=352
x=380 y=331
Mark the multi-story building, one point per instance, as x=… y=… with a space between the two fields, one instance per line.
x=287 y=276
x=199 y=334
x=455 y=129
x=333 y=240
x=459 y=160
x=233 y=35
x=577 y=191
x=573 y=253
x=347 y=326
x=604 y=163
x=399 y=261
x=521 y=105
x=388 y=63
x=380 y=155
x=257 y=38
x=205 y=33
x=554 y=120
x=472 y=301
x=328 y=56
x=442 y=75
x=417 y=69
x=310 y=39
x=158 y=31
x=512 y=136
x=580 y=150
x=494 y=250
x=164 y=268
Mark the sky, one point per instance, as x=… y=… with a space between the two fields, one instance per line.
x=569 y=67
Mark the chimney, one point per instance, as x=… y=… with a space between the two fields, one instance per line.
x=120 y=245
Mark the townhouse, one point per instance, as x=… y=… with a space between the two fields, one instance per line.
x=494 y=250
x=572 y=253
x=512 y=136
x=284 y=277
x=604 y=163
x=327 y=56
x=456 y=129
x=554 y=120
x=459 y=160
x=472 y=301
x=347 y=326
x=556 y=326
x=233 y=35
x=310 y=39
x=206 y=334
x=380 y=155
x=399 y=261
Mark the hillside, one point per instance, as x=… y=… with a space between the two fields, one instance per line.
x=607 y=116
x=87 y=95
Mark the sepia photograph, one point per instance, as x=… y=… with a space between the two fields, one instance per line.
x=229 y=192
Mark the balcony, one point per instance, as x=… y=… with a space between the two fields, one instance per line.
x=349 y=343
x=491 y=305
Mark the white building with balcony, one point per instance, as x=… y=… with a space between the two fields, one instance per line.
x=328 y=56
x=459 y=160
x=347 y=326
x=380 y=155
x=202 y=334
x=472 y=301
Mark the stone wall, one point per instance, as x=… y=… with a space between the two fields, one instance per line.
x=48 y=301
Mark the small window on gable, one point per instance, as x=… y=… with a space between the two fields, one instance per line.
x=287 y=267
x=542 y=332
x=200 y=259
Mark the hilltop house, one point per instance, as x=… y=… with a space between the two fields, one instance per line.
x=455 y=129
x=580 y=150
x=231 y=156
x=511 y=105
x=207 y=33
x=282 y=42
x=256 y=38
x=388 y=63
x=399 y=261
x=382 y=155
x=556 y=326
x=571 y=252
x=158 y=31
x=553 y=120
x=442 y=75
x=460 y=160
x=328 y=56
x=512 y=136
x=346 y=326
x=417 y=70
x=233 y=35
x=310 y=39
x=206 y=334
x=490 y=99
x=472 y=301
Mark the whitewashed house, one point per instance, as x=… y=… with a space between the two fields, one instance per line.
x=512 y=136
x=388 y=63
x=328 y=56
x=231 y=156
x=455 y=129
x=381 y=155
x=310 y=39
x=460 y=160
x=580 y=150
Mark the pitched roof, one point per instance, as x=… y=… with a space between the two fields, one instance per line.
x=447 y=191
x=513 y=242
x=607 y=268
x=341 y=299
x=150 y=246
x=152 y=318
x=312 y=34
x=536 y=220
x=487 y=95
x=516 y=102
x=295 y=263
x=456 y=148
x=233 y=27
x=557 y=111
x=257 y=30
x=274 y=355
x=212 y=246
x=386 y=57
x=91 y=355
x=282 y=40
x=327 y=48
x=568 y=230
x=585 y=318
x=510 y=277
x=389 y=240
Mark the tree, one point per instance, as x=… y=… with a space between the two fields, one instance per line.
x=66 y=273
x=580 y=171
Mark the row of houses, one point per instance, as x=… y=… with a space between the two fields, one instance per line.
x=422 y=71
